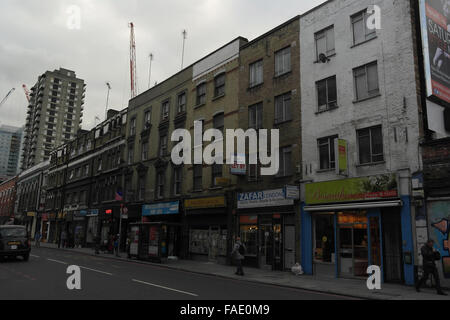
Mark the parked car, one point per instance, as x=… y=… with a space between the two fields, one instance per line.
x=14 y=242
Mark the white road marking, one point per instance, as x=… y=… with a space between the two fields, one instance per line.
x=162 y=287
x=109 y=274
x=57 y=261
x=32 y=255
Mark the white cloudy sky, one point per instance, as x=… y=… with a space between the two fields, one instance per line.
x=35 y=38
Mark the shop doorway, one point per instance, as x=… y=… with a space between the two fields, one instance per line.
x=289 y=246
x=353 y=237
x=392 y=245
x=324 y=245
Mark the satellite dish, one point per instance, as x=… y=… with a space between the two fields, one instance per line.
x=323 y=58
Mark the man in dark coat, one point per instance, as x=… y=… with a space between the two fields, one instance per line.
x=238 y=255
x=429 y=266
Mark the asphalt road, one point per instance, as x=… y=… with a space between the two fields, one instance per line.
x=44 y=277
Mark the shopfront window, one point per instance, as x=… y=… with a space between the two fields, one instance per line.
x=324 y=246
x=210 y=241
x=249 y=239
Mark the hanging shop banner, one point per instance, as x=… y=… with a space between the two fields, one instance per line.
x=267 y=198
x=342 y=151
x=160 y=208
x=203 y=203
x=355 y=189
x=292 y=192
x=434 y=20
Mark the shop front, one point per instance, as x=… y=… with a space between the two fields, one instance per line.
x=350 y=224
x=92 y=224
x=80 y=228
x=158 y=236
x=266 y=225
x=207 y=229
x=52 y=236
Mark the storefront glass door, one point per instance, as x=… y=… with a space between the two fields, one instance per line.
x=353 y=244
x=266 y=248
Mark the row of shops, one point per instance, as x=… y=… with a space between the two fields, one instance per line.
x=337 y=230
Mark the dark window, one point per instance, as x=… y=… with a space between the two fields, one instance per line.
x=285 y=162
x=283 y=61
x=141 y=188
x=160 y=185
x=177 y=180
x=255 y=116
x=201 y=93
x=366 y=81
x=147 y=118
x=163 y=146
x=326 y=153
x=283 y=108
x=144 y=154
x=198 y=176
x=181 y=103
x=327 y=94
x=133 y=127
x=49 y=132
x=219 y=122
x=325 y=42
x=130 y=154
x=370 y=142
x=165 y=110
x=219 y=85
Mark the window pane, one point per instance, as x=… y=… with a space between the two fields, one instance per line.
x=359 y=30
x=323 y=155
x=361 y=85
x=377 y=144
x=372 y=78
x=332 y=94
x=364 y=147
x=330 y=41
x=321 y=45
x=322 y=94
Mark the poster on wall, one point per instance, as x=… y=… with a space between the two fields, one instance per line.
x=439 y=218
x=435 y=26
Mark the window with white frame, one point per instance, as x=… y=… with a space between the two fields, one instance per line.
x=133 y=127
x=282 y=61
x=201 y=94
x=361 y=32
x=256 y=73
x=325 y=42
x=326 y=153
x=255 y=116
x=181 y=102
x=370 y=144
x=144 y=151
x=366 y=81
x=219 y=85
x=163 y=145
x=326 y=94
x=283 y=108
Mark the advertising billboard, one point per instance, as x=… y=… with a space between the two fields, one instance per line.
x=435 y=26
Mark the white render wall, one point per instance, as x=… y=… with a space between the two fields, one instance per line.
x=395 y=109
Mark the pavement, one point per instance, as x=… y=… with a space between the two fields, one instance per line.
x=340 y=287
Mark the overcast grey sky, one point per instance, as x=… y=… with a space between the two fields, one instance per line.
x=35 y=38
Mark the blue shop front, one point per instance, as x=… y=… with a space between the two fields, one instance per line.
x=350 y=224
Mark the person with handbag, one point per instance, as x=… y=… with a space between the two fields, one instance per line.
x=429 y=266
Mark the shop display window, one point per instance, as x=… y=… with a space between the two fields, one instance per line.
x=324 y=246
x=249 y=234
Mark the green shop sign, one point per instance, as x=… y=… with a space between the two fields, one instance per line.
x=355 y=189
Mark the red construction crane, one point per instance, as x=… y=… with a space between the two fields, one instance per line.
x=27 y=92
x=133 y=74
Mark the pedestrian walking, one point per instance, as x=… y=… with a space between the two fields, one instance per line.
x=63 y=239
x=128 y=247
x=116 y=245
x=238 y=255
x=37 y=239
x=429 y=256
x=97 y=244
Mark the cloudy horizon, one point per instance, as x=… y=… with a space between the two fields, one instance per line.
x=36 y=39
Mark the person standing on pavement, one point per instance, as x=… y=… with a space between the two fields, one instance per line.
x=116 y=245
x=429 y=266
x=238 y=255
x=37 y=239
x=63 y=239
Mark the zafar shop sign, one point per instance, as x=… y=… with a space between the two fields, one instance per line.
x=267 y=198
x=348 y=190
